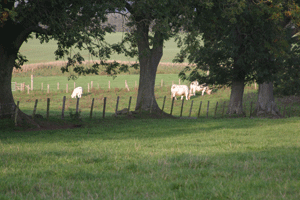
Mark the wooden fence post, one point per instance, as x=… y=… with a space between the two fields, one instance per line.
x=34 y=109
x=199 y=109
x=27 y=89
x=91 y=84
x=88 y=87
x=92 y=106
x=48 y=88
x=126 y=86
x=77 y=105
x=129 y=104
x=31 y=82
x=117 y=106
x=63 y=107
x=57 y=85
x=172 y=105
x=191 y=108
x=16 y=113
x=151 y=105
x=104 y=106
x=48 y=107
x=162 y=109
x=162 y=83
x=181 y=106
x=207 y=109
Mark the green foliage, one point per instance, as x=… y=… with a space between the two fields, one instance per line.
x=243 y=40
x=287 y=80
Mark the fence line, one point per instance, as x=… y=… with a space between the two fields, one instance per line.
x=21 y=86
x=217 y=113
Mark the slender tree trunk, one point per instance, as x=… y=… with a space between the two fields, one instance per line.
x=265 y=101
x=236 y=98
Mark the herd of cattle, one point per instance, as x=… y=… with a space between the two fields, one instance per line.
x=176 y=90
x=183 y=90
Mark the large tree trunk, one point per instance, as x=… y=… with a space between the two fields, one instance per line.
x=8 y=56
x=236 y=98
x=265 y=102
x=6 y=68
x=149 y=60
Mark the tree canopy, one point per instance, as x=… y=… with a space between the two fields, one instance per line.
x=72 y=24
x=243 y=41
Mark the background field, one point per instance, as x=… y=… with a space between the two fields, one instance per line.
x=38 y=53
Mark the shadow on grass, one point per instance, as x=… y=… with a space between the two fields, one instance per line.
x=119 y=128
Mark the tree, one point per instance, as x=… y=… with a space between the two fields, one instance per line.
x=288 y=21
x=243 y=41
x=151 y=22
x=72 y=24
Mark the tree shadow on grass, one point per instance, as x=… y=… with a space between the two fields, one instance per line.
x=120 y=128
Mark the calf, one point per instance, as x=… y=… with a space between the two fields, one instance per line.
x=77 y=92
x=180 y=90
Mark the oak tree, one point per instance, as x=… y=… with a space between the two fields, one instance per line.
x=243 y=41
x=74 y=24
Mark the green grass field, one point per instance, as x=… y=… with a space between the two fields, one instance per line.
x=39 y=53
x=154 y=159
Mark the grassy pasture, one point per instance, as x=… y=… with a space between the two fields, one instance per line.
x=237 y=158
x=100 y=90
x=27 y=100
x=39 y=53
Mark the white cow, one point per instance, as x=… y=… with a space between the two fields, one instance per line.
x=194 y=86
x=194 y=83
x=77 y=92
x=208 y=91
x=180 y=90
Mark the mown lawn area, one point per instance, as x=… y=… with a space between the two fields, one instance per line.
x=122 y=158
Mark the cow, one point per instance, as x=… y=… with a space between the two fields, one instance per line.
x=194 y=86
x=208 y=91
x=194 y=83
x=77 y=92
x=180 y=90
